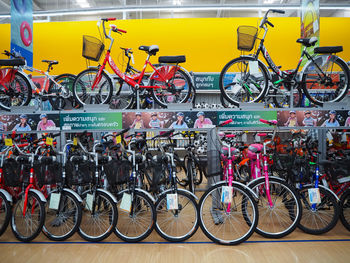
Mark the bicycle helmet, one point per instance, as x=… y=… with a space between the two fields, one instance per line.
x=201 y=113
x=23 y=116
x=43 y=115
x=180 y=114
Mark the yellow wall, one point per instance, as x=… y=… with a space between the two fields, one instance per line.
x=208 y=43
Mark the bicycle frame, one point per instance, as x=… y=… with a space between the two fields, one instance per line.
x=7 y=75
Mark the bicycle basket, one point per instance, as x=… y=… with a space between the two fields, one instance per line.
x=12 y=174
x=246 y=36
x=117 y=171
x=48 y=173
x=81 y=173
x=92 y=48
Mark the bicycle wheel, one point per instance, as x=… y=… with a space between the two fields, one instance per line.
x=61 y=94
x=18 y=92
x=99 y=216
x=60 y=224
x=190 y=172
x=82 y=88
x=241 y=80
x=283 y=217
x=326 y=80
x=27 y=227
x=5 y=213
x=281 y=97
x=176 y=225
x=178 y=92
x=345 y=209
x=138 y=224
x=124 y=98
x=321 y=218
x=228 y=226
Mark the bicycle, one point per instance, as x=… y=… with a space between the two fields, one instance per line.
x=228 y=211
x=169 y=83
x=15 y=88
x=324 y=78
x=279 y=204
x=58 y=90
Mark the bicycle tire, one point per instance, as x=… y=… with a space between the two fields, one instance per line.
x=82 y=88
x=190 y=175
x=311 y=80
x=249 y=90
x=284 y=95
x=180 y=224
x=345 y=209
x=62 y=224
x=5 y=214
x=324 y=218
x=127 y=221
x=103 y=220
x=179 y=92
x=124 y=97
x=58 y=98
x=230 y=223
x=286 y=210
x=22 y=233
x=19 y=93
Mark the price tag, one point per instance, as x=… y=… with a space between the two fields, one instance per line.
x=89 y=201
x=54 y=201
x=8 y=142
x=118 y=139
x=253 y=67
x=49 y=141
x=314 y=195
x=171 y=201
x=126 y=202
x=226 y=194
x=75 y=141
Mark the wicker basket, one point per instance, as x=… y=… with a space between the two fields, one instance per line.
x=246 y=36
x=92 y=48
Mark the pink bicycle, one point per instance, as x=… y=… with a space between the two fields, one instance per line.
x=278 y=203
x=168 y=82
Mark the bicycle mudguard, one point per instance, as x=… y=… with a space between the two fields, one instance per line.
x=108 y=193
x=6 y=194
x=180 y=190
x=73 y=193
x=263 y=64
x=325 y=188
x=270 y=177
x=140 y=190
x=40 y=194
x=240 y=184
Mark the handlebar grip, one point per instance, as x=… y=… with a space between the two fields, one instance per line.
x=269 y=23
x=123 y=131
x=273 y=122
x=278 y=11
x=230 y=136
x=225 y=123
x=108 y=19
x=121 y=31
x=166 y=134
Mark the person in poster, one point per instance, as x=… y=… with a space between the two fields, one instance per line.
x=310 y=122
x=179 y=123
x=45 y=124
x=332 y=121
x=23 y=125
x=155 y=123
x=138 y=122
x=201 y=121
x=292 y=120
x=347 y=122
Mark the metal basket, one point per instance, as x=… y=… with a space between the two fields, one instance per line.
x=80 y=174
x=92 y=48
x=118 y=171
x=48 y=173
x=13 y=176
x=246 y=36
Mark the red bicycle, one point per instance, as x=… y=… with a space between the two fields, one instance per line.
x=169 y=82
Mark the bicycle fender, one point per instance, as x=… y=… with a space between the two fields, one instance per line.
x=140 y=190
x=6 y=194
x=40 y=194
x=181 y=190
x=189 y=75
x=73 y=193
x=240 y=184
x=270 y=177
x=324 y=188
x=263 y=64
x=108 y=193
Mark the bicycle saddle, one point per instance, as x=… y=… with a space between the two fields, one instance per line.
x=51 y=62
x=328 y=50
x=172 y=59
x=308 y=42
x=152 y=50
x=12 y=62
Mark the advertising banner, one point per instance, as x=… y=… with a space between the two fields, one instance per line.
x=91 y=121
x=22 y=29
x=206 y=81
x=310 y=22
x=246 y=118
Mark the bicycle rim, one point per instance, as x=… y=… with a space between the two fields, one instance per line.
x=124 y=98
x=5 y=213
x=345 y=210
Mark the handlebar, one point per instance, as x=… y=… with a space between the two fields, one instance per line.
x=265 y=20
x=114 y=29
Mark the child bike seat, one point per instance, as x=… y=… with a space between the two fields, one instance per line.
x=172 y=59
x=328 y=50
x=12 y=62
